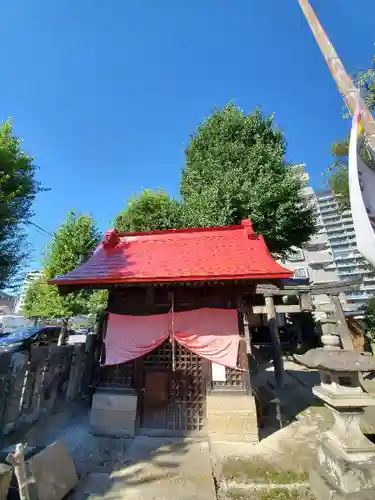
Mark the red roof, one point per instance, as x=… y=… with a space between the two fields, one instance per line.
x=205 y=254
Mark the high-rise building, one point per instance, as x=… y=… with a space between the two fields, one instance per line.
x=29 y=278
x=348 y=262
x=331 y=254
x=314 y=262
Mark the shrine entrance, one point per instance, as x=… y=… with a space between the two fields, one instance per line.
x=171 y=402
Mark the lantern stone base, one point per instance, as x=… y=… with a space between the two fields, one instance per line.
x=342 y=475
x=345 y=466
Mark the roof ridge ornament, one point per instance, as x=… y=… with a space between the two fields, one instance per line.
x=249 y=231
x=111 y=239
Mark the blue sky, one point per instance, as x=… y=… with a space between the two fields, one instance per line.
x=105 y=94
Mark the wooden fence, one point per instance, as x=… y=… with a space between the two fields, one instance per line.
x=33 y=385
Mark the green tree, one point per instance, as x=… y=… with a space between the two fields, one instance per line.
x=72 y=244
x=36 y=304
x=337 y=173
x=236 y=169
x=18 y=188
x=370 y=317
x=150 y=210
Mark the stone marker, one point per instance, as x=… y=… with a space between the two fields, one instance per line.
x=6 y=472
x=53 y=472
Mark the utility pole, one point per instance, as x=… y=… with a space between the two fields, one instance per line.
x=343 y=81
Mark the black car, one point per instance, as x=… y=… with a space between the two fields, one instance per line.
x=24 y=338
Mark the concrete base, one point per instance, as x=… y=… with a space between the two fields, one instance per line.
x=340 y=475
x=232 y=417
x=323 y=490
x=113 y=414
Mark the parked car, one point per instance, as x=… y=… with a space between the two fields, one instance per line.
x=76 y=339
x=24 y=338
x=11 y=322
x=82 y=330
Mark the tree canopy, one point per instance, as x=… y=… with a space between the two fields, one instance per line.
x=150 y=210
x=18 y=188
x=338 y=177
x=234 y=169
x=72 y=244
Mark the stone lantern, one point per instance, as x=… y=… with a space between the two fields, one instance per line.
x=345 y=467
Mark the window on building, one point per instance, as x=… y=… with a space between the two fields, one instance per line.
x=301 y=272
x=296 y=254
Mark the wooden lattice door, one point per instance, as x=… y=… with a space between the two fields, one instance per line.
x=184 y=408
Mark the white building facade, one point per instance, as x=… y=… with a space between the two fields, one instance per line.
x=348 y=261
x=29 y=279
x=315 y=261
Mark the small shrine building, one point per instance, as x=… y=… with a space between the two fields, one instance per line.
x=176 y=343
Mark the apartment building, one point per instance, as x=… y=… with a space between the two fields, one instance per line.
x=348 y=262
x=29 y=278
x=315 y=261
x=331 y=254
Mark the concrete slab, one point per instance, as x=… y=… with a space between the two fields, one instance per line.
x=53 y=472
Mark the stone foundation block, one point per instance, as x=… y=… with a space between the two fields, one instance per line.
x=113 y=414
x=232 y=417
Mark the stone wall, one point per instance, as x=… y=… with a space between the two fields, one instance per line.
x=33 y=385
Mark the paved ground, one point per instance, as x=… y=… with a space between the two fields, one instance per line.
x=139 y=469
x=155 y=469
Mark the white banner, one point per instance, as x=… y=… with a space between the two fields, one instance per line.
x=362 y=195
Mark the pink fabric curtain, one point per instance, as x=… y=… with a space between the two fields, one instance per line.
x=210 y=333
x=130 y=337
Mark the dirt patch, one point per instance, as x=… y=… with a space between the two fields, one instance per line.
x=271 y=494
x=259 y=470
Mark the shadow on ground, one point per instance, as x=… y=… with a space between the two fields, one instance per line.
x=281 y=407
x=119 y=468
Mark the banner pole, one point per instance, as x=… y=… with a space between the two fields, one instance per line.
x=343 y=81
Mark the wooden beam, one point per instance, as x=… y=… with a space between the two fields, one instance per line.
x=314 y=289
x=282 y=308
x=327 y=308
x=342 y=326
x=276 y=344
x=274 y=290
x=244 y=312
